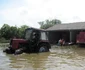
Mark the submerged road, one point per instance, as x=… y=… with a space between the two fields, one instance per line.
x=59 y=58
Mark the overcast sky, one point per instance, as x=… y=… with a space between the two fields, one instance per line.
x=30 y=12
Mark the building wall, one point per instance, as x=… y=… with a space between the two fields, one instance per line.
x=73 y=35
x=54 y=36
x=68 y=36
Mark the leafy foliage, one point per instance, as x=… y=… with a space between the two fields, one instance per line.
x=21 y=31
x=4 y=32
x=7 y=32
x=48 y=23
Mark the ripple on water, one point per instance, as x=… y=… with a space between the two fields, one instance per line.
x=60 y=58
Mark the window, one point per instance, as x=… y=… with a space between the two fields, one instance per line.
x=28 y=34
x=43 y=36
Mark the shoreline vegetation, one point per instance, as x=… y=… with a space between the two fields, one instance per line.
x=3 y=40
x=4 y=44
x=7 y=32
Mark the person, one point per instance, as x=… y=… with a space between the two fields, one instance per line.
x=61 y=42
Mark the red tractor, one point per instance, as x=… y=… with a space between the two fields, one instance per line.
x=35 y=40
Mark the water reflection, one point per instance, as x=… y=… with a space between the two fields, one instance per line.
x=28 y=61
x=59 y=58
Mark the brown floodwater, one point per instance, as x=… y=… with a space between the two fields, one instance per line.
x=59 y=58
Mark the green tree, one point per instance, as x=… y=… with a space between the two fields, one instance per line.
x=4 y=32
x=21 y=31
x=13 y=31
x=48 y=23
x=55 y=21
x=7 y=32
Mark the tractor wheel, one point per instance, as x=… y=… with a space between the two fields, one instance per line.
x=19 y=51
x=9 y=50
x=43 y=48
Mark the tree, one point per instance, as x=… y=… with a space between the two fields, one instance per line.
x=21 y=31
x=4 y=32
x=48 y=23
x=13 y=31
x=8 y=32
x=55 y=21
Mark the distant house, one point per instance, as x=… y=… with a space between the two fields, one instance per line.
x=68 y=32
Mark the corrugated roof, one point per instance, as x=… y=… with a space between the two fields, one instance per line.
x=69 y=26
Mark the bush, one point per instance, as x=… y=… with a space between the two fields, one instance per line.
x=3 y=40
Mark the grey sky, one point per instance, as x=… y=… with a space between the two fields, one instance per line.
x=29 y=12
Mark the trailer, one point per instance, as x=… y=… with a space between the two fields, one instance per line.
x=80 y=38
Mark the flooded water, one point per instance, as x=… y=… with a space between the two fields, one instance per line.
x=59 y=58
